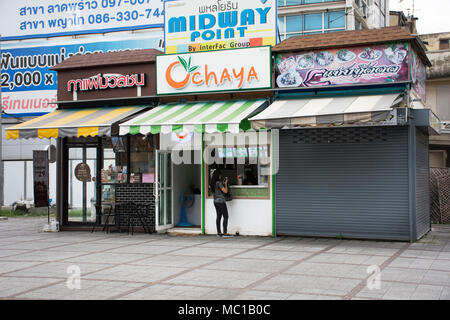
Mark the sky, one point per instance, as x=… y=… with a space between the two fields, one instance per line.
x=432 y=14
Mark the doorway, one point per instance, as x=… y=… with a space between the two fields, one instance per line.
x=164 y=190
x=187 y=204
x=81 y=183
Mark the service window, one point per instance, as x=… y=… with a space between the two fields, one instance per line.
x=246 y=164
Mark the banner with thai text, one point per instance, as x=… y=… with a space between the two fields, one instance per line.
x=356 y=65
x=25 y=19
x=28 y=84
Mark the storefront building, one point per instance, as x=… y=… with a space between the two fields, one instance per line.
x=344 y=113
x=353 y=135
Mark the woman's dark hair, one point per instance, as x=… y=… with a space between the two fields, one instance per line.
x=217 y=175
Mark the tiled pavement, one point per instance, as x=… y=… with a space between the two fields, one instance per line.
x=34 y=265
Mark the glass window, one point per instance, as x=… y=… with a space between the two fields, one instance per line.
x=312 y=1
x=247 y=166
x=335 y=19
x=293 y=2
x=115 y=160
x=142 y=158
x=293 y=24
x=313 y=21
x=281 y=28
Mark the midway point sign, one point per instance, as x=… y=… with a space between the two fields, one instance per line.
x=218 y=25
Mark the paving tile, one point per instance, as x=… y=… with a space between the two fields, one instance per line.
x=237 y=243
x=444 y=255
x=175 y=261
x=403 y=274
x=437 y=278
x=445 y=294
x=350 y=259
x=169 y=292
x=30 y=245
x=298 y=296
x=147 y=249
x=234 y=264
x=389 y=290
x=85 y=247
x=160 y=266
x=400 y=291
x=206 y=252
x=4 y=254
x=274 y=254
x=295 y=246
x=262 y=295
x=427 y=292
x=218 y=278
x=145 y=274
x=57 y=270
x=10 y=286
x=414 y=263
x=90 y=289
x=443 y=265
x=330 y=270
x=309 y=284
x=9 y=266
x=365 y=250
x=420 y=254
x=44 y=256
x=105 y=257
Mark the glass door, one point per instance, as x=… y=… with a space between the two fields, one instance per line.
x=163 y=190
x=82 y=188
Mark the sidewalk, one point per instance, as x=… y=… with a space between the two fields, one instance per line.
x=34 y=265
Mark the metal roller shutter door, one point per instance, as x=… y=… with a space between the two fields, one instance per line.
x=343 y=181
x=422 y=184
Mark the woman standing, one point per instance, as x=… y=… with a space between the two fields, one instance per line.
x=219 y=187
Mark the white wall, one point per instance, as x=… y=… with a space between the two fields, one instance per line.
x=248 y=217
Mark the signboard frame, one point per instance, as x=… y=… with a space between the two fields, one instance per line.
x=188 y=43
x=370 y=64
x=269 y=65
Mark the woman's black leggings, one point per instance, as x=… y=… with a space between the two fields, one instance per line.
x=222 y=211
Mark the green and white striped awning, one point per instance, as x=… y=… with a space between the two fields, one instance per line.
x=209 y=117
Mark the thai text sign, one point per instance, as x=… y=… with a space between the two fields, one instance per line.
x=21 y=19
x=29 y=86
x=229 y=70
x=357 y=65
x=206 y=25
x=106 y=81
x=40 y=177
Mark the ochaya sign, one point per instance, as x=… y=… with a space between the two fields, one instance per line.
x=206 y=25
x=106 y=81
x=347 y=66
x=229 y=70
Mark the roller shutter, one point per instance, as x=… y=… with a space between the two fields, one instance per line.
x=422 y=184
x=350 y=182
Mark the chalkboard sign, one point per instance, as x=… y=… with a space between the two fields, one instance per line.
x=40 y=178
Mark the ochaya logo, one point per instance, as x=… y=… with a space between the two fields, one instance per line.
x=203 y=75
